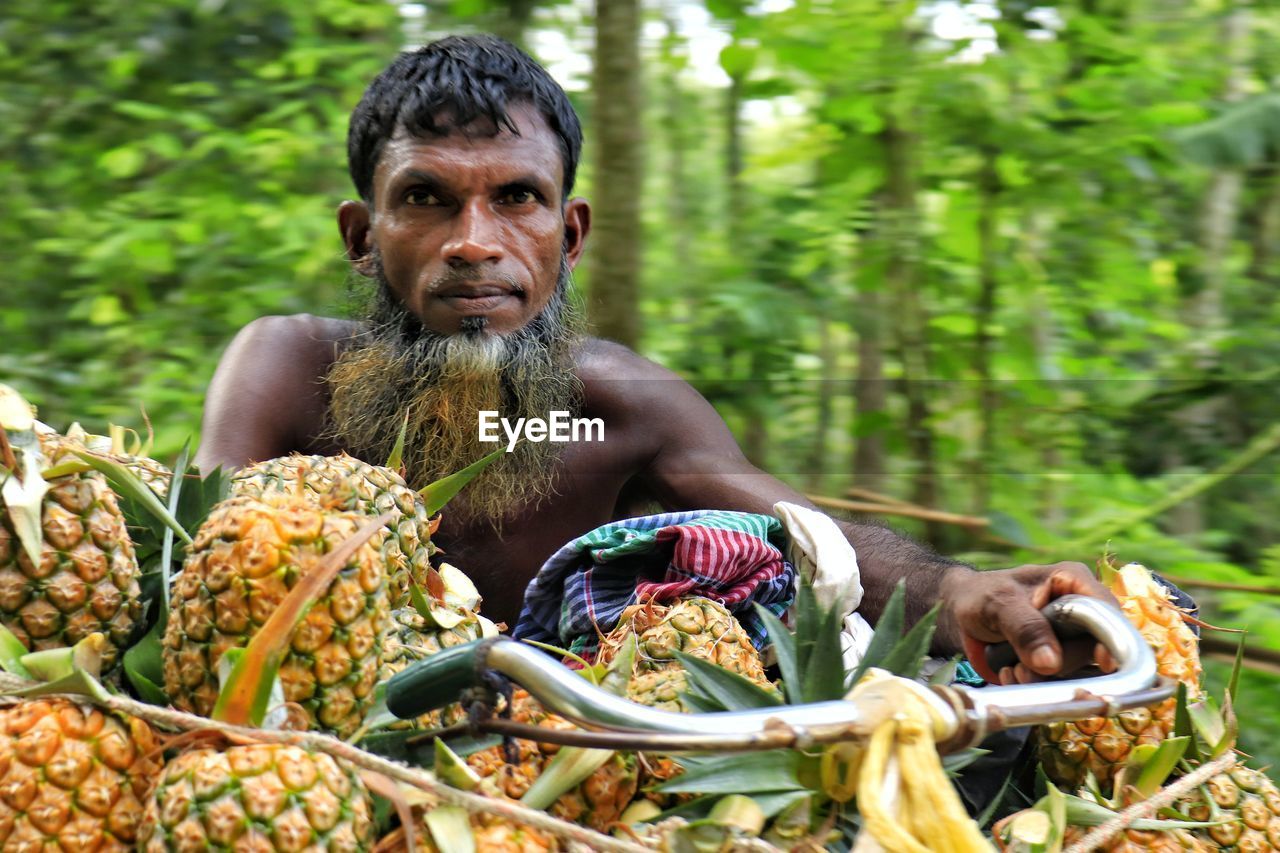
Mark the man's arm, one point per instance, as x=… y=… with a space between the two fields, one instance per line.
x=267 y=395
x=698 y=465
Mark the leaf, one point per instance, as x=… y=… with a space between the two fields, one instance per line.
x=887 y=634
x=23 y=494
x=824 y=670
x=784 y=646
x=733 y=691
x=126 y=483
x=395 y=459
x=245 y=698
x=144 y=666
x=1157 y=768
x=568 y=769
x=904 y=658
x=440 y=492
x=11 y=653
x=771 y=770
x=450 y=828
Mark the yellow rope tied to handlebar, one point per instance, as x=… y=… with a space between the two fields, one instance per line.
x=907 y=803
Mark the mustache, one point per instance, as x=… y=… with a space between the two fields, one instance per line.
x=470 y=273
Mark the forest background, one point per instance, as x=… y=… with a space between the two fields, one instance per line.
x=1002 y=273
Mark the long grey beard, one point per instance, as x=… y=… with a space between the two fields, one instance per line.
x=398 y=373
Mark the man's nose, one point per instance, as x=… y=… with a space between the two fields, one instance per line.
x=475 y=238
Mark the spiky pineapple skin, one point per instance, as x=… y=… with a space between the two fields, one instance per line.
x=1247 y=803
x=698 y=627
x=72 y=777
x=360 y=487
x=410 y=640
x=597 y=802
x=261 y=797
x=1101 y=746
x=243 y=561
x=86 y=580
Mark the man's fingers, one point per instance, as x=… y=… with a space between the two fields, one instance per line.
x=976 y=651
x=1032 y=638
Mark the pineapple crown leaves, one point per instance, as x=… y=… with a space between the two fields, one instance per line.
x=439 y=493
x=246 y=694
x=73 y=670
x=23 y=487
x=395 y=459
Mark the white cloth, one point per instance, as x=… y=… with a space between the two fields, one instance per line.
x=817 y=547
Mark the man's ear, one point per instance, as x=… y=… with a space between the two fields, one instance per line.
x=577 y=224
x=353 y=222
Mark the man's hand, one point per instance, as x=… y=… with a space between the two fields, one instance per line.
x=983 y=608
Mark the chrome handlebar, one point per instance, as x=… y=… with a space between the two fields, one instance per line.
x=970 y=713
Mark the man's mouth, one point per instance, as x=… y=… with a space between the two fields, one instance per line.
x=477 y=298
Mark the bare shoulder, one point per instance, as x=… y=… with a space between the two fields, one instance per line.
x=316 y=339
x=620 y=383
x=600 y=360
x=268 y=395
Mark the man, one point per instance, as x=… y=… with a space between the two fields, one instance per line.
x=464 y=154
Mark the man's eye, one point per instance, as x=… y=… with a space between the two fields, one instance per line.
x=520 y=197
x=421 y=197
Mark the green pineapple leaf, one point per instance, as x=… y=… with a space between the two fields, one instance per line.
x=395 y=459
x=1182 y=726
x=771 y=770
x=823 y=672
x=784 y=646
x=732 y=691
x=144 y=666
x=11 y=652
x=1156 y=769
x=124 y=482
x=887 y=634
x=439 y=493
x=905 y=657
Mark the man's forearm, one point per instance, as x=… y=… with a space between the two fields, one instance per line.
x=885 y=557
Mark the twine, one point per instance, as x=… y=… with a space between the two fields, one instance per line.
x=505 y=809
x=1147 y=808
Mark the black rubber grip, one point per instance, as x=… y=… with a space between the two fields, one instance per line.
x=1000 y=655
x=435 y=682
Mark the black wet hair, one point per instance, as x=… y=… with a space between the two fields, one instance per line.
x=462 y=78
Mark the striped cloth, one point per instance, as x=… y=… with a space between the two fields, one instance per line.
x=732 y=557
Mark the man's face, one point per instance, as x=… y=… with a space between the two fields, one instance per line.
x=470 y=226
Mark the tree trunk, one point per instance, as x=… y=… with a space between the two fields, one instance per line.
x=1266 y=233
x=1205 y=311
x=614 y=306
x=869 y=466
x=512 y=22
x=902 y=228
x=984 y=344
x=826 y=392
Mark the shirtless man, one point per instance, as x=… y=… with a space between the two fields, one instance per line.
x=464 y=154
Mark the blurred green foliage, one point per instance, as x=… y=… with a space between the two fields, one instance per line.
x=170 y=171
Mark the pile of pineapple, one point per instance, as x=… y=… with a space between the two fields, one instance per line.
x=297 y=587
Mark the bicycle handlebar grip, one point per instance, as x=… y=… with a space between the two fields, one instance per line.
x=436 y=681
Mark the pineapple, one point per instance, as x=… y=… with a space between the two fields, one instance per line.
x=258 y=797
x=413 y=638
x=244 y=559
x=86 y=577
x=696 y=626
x=1069 y=751
x=1246 y=801
x=597 y=802
x=370 y=490
x=156 y=475
x=72 y=777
